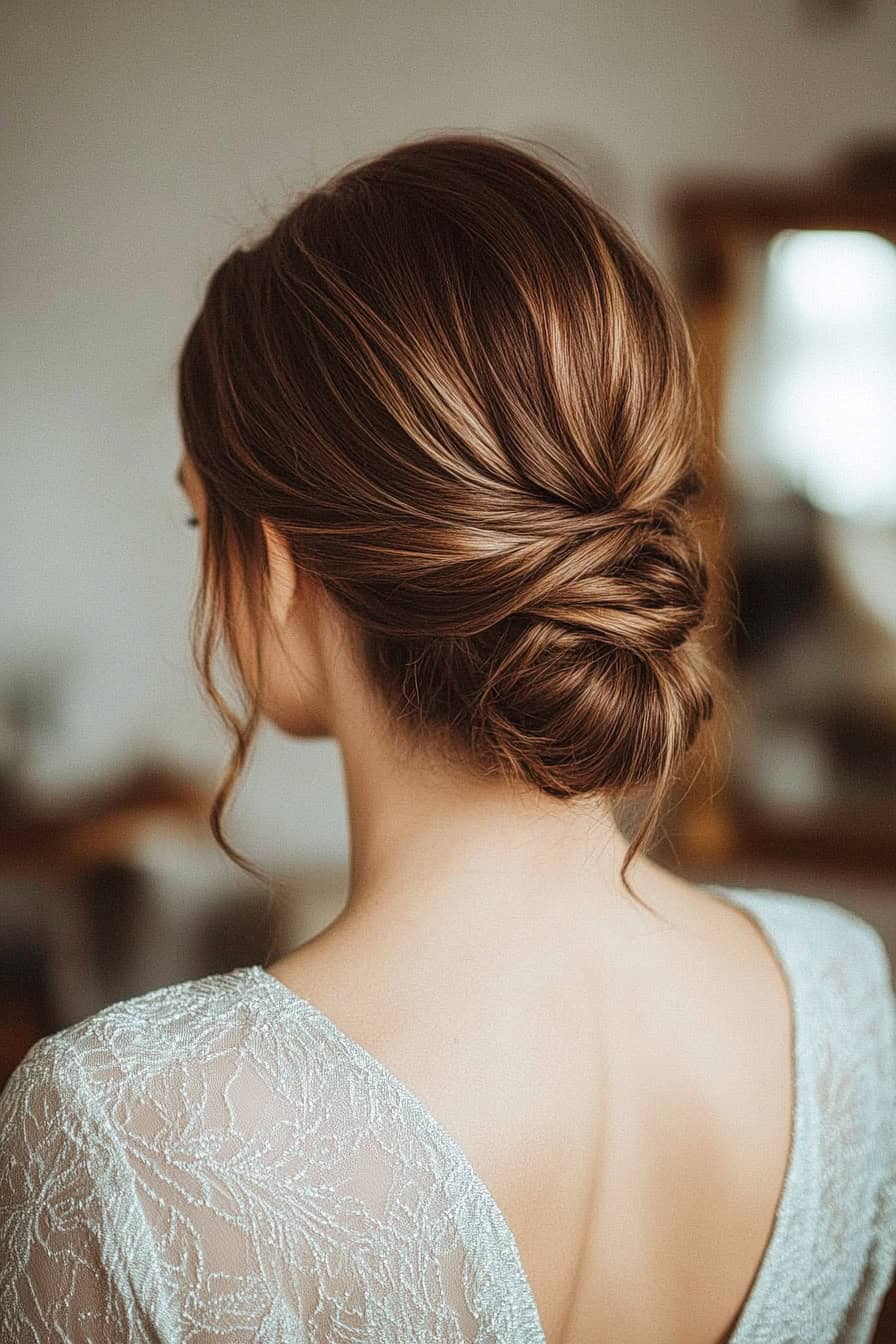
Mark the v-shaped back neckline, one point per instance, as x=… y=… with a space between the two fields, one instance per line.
x=752 y=1303
x=757 y=1293
x=434 y=1128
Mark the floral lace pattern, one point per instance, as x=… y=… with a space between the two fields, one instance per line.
x=218 y=1161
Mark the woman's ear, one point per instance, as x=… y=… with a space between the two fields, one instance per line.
x=282 y=573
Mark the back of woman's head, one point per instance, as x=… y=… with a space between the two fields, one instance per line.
x=468 y=402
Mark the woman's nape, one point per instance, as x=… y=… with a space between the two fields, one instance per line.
x=484 y=869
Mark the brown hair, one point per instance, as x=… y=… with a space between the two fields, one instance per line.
x=468 y=402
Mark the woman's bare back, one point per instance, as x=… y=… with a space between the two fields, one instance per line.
x=633 y=1132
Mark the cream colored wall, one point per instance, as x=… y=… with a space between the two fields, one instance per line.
x=142 y=141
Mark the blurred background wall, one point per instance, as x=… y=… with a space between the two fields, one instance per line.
x=142 y=142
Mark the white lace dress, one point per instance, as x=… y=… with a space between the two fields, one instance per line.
x=218 y=1162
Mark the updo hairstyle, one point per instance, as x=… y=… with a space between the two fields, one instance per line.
x=468 y=402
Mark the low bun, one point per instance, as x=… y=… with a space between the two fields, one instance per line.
x=568 y=668
x=591 y=720
x=594 y=690
x=468 y=402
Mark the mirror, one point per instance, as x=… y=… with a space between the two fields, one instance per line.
x=790 y=293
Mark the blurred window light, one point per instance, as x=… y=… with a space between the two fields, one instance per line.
x=815 y=382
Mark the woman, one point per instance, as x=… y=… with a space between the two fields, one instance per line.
x=439 y=437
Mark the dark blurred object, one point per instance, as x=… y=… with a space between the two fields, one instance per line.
x=239 y=931
x=773 y=593
x=116 y=898
x=98 y=822
x=885 y=1332
x=26 y=1008
x=868 y=163
x=863 y=746
x=29 y=699
x=72 y=897
x=778 y=574
x=833 y=11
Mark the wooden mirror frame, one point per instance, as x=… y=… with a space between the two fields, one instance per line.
x=706 y=221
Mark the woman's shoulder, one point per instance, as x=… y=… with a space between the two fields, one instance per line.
x=842 y=978
x=818 y=931
x=131 y=1040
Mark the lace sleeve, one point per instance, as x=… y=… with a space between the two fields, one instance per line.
x=203 y=1163
x=64 y=1195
